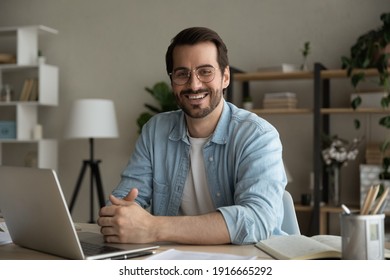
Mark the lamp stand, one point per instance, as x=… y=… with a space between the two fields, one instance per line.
x=95 y=177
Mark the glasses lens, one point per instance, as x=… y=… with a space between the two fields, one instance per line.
x=180 y=76
x=205 y=74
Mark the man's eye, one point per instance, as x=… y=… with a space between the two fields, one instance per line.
x=205 y=72
x=181 y=74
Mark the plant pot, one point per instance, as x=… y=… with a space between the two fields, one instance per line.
x=248 y=105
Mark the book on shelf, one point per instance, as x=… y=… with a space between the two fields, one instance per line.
x=34 y=95
x=30 y=90
x=280 y=103
x=373 y=154
x=27 y=85
x=301 y=247
x=280 y=100
x=280 y=95
x=6 y=58
x=284 y=67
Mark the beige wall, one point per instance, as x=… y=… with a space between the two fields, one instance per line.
x=113 y=49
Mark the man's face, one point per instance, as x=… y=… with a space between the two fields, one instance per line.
x=196 y=98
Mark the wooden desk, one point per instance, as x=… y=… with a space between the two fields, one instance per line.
x=14 y=252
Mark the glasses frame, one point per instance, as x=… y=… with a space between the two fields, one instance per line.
x=189 y=74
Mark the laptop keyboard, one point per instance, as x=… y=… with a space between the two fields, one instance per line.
x=91 y=249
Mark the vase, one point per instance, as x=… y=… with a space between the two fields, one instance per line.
x=334 y=189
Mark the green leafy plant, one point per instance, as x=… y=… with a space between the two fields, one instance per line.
x=247 y=98
x=162 y=92
x=369 y=51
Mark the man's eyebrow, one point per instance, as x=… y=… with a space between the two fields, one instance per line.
x=197 y=67
x=180 y=68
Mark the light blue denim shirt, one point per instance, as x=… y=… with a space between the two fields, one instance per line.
x=244 y=167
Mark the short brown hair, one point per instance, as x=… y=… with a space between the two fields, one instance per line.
x=192 y=36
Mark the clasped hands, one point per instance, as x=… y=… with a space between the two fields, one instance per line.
x=125 y=221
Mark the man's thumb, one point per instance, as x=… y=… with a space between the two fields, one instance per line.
x=132 y=195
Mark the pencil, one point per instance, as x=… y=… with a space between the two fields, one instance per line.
x=381 y=199
x=373 y=198
x=366 y=199
x=370 y=198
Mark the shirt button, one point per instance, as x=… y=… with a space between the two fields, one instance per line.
x=218 y=194
x=211 y=158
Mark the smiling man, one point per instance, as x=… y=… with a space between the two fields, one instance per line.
x=209 y=173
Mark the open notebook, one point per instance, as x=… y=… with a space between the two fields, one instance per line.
x=37 y=217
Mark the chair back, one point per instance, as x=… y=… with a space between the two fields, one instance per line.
x=290 y=222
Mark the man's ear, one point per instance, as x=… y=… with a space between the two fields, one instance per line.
x=226 y=77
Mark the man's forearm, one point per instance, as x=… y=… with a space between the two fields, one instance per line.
x=204 y=229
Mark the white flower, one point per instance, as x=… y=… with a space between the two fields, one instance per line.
x=338 y=151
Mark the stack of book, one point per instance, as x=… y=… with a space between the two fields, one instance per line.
x=6 y=58
x=280 y=100
x=374 y=154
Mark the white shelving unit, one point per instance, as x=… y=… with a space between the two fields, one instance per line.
x=22 y=42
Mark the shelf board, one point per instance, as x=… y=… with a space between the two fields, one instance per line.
x=342 y=73
x=16 y=141
x=26 y=141
x=253 y=76
x=323 y=208
x=357 y=111
x=6 y=31
x=15 y=103
x=282 y=111
x=323 y=111
x=16 y=67
x=325 y=74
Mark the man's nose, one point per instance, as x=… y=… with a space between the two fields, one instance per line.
x=193 y=81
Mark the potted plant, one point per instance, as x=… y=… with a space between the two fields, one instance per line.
x=372 y=50
x=305 y=53
x=247 y=103
x=164 y=96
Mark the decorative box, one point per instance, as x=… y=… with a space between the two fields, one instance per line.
x=7 y=130
x=369 y=176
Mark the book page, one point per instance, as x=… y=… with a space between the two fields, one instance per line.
x=333 y=241
x=297 y=247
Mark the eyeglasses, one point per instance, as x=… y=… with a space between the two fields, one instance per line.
x=205 y=74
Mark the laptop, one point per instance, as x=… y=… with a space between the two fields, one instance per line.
x=37 y=217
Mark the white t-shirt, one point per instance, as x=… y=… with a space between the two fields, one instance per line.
x=196 y=195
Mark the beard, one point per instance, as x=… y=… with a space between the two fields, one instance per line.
x=197 y=111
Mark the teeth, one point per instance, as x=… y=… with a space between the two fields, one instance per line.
x=198 y=96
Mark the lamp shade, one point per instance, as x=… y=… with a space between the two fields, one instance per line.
x=92 y=118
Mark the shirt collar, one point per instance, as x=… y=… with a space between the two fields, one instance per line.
x=220 y=134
